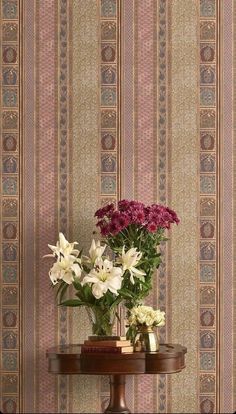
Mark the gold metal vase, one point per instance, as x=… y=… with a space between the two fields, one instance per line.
x=146 y=340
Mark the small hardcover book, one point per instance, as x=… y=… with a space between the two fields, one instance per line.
x=106 y=338
x=108 y=343
x=108 y=349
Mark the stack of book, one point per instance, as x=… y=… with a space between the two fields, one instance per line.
x=112 y=344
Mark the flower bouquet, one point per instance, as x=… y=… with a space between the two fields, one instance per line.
x=143 y=319
x=134 y=232
x=146 y=316
x=131 y=234
x=96 y=281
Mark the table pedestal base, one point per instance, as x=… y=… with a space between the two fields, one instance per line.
x=117 y=402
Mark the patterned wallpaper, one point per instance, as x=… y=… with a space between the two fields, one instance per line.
x=103 y=99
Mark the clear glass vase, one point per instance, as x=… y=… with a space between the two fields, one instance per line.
x=146 y=339
x=102 y=320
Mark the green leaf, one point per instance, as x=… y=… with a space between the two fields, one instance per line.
x=88 y=296
x=116 y=302
x=109 y=298
x=126 y=293
x=77 y=285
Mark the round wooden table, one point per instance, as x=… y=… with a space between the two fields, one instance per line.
x=69 y=360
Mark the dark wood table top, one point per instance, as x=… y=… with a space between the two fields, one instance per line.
x=68 y=359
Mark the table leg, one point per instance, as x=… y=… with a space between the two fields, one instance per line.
x=117 y=402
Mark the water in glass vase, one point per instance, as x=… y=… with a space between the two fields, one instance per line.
x=102 y=319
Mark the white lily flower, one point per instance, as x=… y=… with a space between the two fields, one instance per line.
x=76 y=269
x=104 y=277
x=129 y=261
x=65 y=269
x=96 y=250
x=63 y=248
x=98 y=289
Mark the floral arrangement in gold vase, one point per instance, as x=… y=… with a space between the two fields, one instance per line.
x=144 y=319
x=102 y=281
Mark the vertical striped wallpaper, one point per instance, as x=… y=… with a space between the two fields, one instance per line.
x=184 y=198
x=101 y=100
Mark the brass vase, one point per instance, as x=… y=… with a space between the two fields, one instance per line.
x=146 y=340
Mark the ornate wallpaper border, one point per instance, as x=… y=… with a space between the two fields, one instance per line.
x=110 y=118
x=164 y=20
x=64 y=143
x=226 y=344
x=10 y=195
x=110 y=100
x=209 y=260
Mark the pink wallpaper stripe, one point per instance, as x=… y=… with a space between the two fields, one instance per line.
x=227 y=209
x=29 y=212
x=144 y=144
x=144 y=132
x=127 y=119
x=47 y=197
x=128 y=99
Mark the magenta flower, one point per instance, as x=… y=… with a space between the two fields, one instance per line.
x=152 y=227
x=123 y=205
x=137 y=215
x=107 y=210
x=114 y=228
x=152 y=218
x=123 y=220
